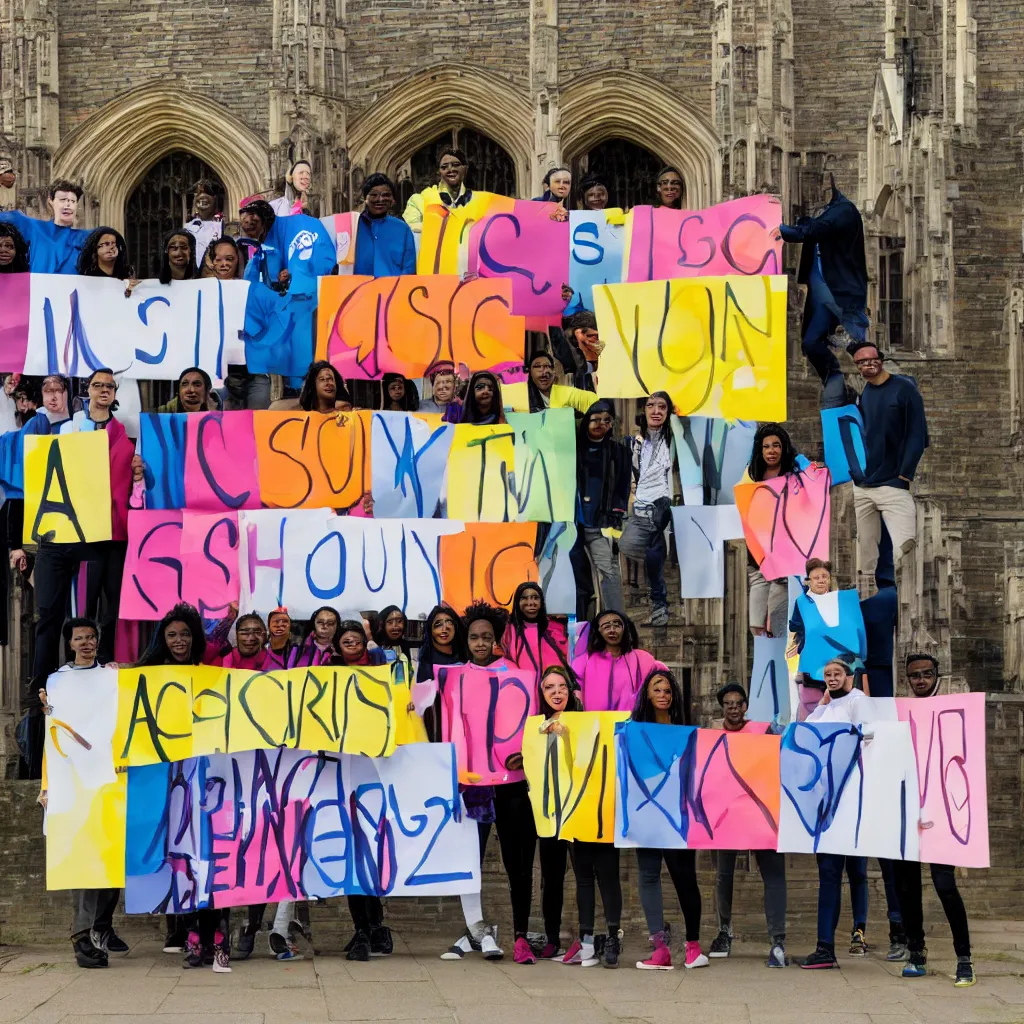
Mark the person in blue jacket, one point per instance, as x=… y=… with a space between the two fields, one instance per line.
x=55 y=244
x=384 y=243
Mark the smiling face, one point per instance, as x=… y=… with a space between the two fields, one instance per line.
x=224 y=261
x=379 y=200
x=192 y=391
x=7 y=250
x=659 y=693
x=394 y=626
x=837 y=681
x=443 y=387
x=819 y=581
x=656 y=411
x=106 y=253
x=178 y=254
x=251 y=224
x=302 y=177
x=280 y=626
x=612 y=628
x=481 y=642
x=65 y=208
x=735 y=708
x=599 y=426
x=442 y=632
x=542 y=373
x=555 y=691
x=251 y=636
x=452 y=172
x=324 y=626
x=596 y=197
x=396 y=390
x=670 y=189
x=353 y=646
x=921 y=677
x=560 y=184
x=530 y=604
x=204 y=205
x=84 y=642
x=102 y=390
x=178 y=638
x=868 y=360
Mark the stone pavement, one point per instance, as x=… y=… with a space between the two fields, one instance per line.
x=42 y=985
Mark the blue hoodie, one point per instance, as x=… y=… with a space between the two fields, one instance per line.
x=51 y=249
x=384 y=247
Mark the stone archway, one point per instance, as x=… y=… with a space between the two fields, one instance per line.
x=112 y=151
x=596 y=108
x=421 y=108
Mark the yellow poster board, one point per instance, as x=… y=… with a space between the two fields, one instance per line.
x=481 y=464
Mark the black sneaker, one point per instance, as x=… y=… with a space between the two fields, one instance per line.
x=359 y=947
x=381 y=942
x=612 y=948
x=965 y=976
x=110 y=942
x=823 y=958
x=721 y=945
x=176 y=941
x=246 y=944
x=86 y=954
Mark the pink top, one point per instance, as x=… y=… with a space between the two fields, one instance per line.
x=759 y=728
x=258 y=662
x=530 y=651
x=610 y=683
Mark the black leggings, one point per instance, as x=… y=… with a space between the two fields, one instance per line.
x=210 y=922
x=908 y=886
x=367 y=913
x=553 y=855
x=600 y=861
x=517 y=837
x=682 y=868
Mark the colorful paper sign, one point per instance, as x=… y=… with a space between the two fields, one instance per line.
x=712 y=456
x=444 y=236
x=545 y=465
x=153 y=570
x=15 y=306
x=717 y=345
x=769 y=681
x=557 y=579
x=486 y=562
x=842 y=434
x=154 y=714
x=481 y=486
x=410 y=461
x=701 y=532
x=209 y=551
x=220 y=462
x=596 y=247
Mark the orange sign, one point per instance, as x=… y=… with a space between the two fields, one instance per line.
x=487 y=562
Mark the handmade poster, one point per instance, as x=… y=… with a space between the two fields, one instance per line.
x=740 y=236
x=481 y=463
x=557 y=579
x=701 y=532
x=545 y=464
x=154 y=714
x=527 y=247
x=311 y=459
x=410 y=460
x=948 y=735
x=153 y=570
x=443 y=241
x=369 y=326
x=343 y=231
x=162 y=440
x=486 y=562
x=67 y=488
x=596 y=246
x=712 y=456
x=80 y=324
x=306 y=558
x=768 y=693
x=786 y=520
x=483 y=713
x=849 y=789
x=15 y=304
x=842 y=433
x=409 y=727
x=279 y=332
x=85 y=814
x=572 y=776
x=833 y=628
x=220 y=462
x=209 y=550
x=717 y=345
x=270 y=825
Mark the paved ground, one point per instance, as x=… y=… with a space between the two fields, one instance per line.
x=42 y=985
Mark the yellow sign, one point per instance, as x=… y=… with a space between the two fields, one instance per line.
x=67 y=488
x=717 y=345
x=571 y=773
x=154 y=714
x=481 y=463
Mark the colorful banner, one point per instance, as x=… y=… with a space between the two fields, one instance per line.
x=701 y=532
x=481 y=463
x=545 y=465
x=410 y=460
x=220 y=462
x=717 y=345
x=712 y=456
x=842 y=434
x=769 y=681
x=597 y=241
x=486 y=562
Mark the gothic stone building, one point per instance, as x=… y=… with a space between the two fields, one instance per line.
x=917 y=108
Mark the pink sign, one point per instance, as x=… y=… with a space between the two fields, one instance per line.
x=220 y=462
x=737 y=237
x=949 y=743
x=530 y=249
x=15 y=291
x=209 y=550
x=786 y=520
x=484 y=714
x=152 y=581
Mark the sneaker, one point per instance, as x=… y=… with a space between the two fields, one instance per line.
x=660 y=959
x=549 y=952
x=823 y=958
x=175 y=942
x=897 y=951
x=777 y=955
x=193 y=951
x=283 y=947
x=858 y=947
x=87 y=954
x=246 y=944
x=574 y=954
x=591 y=951
x=381 y=942
x=915 y=966
x=721 y=945
x=458 y=949
x=658 y=616
x=612 y=948
x=109 y=941
x=965 y=976
x=220 y=960
x=522 y=954
x=359 y=948
x=489 y=945
x=694 y=956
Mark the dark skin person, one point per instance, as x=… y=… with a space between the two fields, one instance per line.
x=396 y=392
x=324 y=626
x=353 y=646
x=205 y=205
x=771 y=452
x=106 y=254
x=442 y=633
x=178 y=638
x=192 y=392
x=529 y=605
x=483 y=389
x=612 y=628
x=7 y=251
x=921 y=677
x=394 y=626
x=224 y=261
x=280 y=627
x=251 y=637
x=735 y=708
x=596 y=198
x=542 y=373
x=326 y=390
x=481 y=642
x=379 y=201
x=177 y=256
x=599 y=426
x=452 y=172
x=670 y=189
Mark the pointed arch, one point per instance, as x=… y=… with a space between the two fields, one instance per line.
x=420 y=108
x=111 y=152
x=622 y=104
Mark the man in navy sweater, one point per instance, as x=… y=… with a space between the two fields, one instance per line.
x=895 y=437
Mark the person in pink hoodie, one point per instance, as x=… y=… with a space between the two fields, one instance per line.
x=531 y=640
x=612 y=669
x=251 y=651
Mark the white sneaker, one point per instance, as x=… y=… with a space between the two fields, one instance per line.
x=490 y=949
x=458 y=949
x=588 y=956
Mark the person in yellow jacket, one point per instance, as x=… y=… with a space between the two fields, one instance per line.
x=450 y=191
x=540 y=392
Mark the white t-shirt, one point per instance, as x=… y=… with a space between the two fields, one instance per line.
x=655 y=464
x=828 y=606
x=840 y=709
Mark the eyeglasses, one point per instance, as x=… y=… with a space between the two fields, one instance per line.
x=255 y=631
x=926 y=673
x=380 y=195
x=866 y=362
x=102 y=385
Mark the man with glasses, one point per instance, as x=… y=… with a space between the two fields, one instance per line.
x=384 y=243
x=923 y=681
x=733 y=700
x=895 y=437
x=451 y=190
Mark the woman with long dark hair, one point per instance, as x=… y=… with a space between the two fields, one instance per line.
x=13 y=250
x=593 y=193
x=399 y=394
x=389 y=628
x=661 y=700
x=670 y=186
x=323 y=390
x=444 y=643
x=532 y=640
x=178 y=262
x=483 y=403
x=105 y=254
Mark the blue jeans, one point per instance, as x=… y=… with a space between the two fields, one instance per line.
x=244 y=390
x=642 y=540
x=830 y=893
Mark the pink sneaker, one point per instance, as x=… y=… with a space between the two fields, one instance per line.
x=572 y=954
x=549 y=952
x=659 y=960
x=523 y=954
x=694 y=957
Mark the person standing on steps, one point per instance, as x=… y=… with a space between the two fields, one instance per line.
x=613 y=668
x=923 y=681
x=732 y=698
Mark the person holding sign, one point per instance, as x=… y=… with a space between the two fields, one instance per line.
x=105 y=254
x=384 y=243
x=444 y=399
x=557 y=189
x=193 y=392
x=923 y=681
x=593 y=193
x=320 y=644
x=670 y=188
x=250 y=652
x=531 y=639
x=399 y=394
x=613 y=668
x=540 y=392
x=179 y=258
x=451 y=191
x=323 y=390
x=280 y=645
x=483 y=400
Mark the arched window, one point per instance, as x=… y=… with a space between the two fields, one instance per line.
x=161 y=202
x=491 y=169
x=630 y=171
